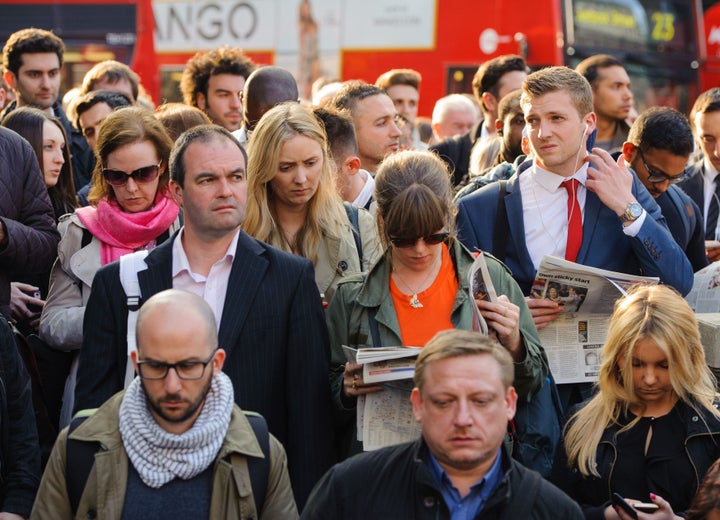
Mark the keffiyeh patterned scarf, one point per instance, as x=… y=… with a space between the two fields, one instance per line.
x=159 y=456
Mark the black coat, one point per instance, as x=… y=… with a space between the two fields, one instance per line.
x=395 y=482
x=19 y=449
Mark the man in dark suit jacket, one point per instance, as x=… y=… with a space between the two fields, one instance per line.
x=493 y=80
x=271 y=321
x=657 y=149
x=703 y=184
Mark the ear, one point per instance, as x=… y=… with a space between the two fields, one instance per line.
x=218 y=361
x=352 y=164
x=134 y=357
x=490 y=101
x=511 y=402
x=200 y=100
x=591 y=121
x=417 y=400
x=9 y=78
x=176 y=192
x=629 y=151
x=499 y=125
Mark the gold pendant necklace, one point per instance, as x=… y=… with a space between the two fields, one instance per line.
x=414 y=300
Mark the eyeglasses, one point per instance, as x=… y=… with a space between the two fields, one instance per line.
x=657 y=177
x=187 y=370
x=141 y=175
x=431 y=240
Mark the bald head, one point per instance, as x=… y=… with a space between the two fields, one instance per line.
x=174 y=308
x=265 y=88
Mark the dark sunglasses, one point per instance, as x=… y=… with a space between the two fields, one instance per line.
x=656 y=177
x=431 y=240
x=141 y=175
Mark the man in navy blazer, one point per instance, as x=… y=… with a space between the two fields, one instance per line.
x=622 y=227
x=703 y=184
x=267 y=305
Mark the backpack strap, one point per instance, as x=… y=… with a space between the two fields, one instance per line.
x=352 y=214
x=129 y=266
x=518 y=507
x=79 y=460
x=374 y=331
x=259 y=468
x=502 y=226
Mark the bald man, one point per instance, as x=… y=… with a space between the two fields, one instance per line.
x=174 y=443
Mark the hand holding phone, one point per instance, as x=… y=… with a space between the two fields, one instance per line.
x=645 y=507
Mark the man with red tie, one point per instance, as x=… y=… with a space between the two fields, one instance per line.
x=568 y=202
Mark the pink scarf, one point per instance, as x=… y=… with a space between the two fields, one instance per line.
x=121 y=233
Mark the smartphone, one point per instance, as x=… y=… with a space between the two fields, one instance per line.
x=645 y=507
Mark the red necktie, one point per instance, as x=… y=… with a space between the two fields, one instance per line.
x=574 y=236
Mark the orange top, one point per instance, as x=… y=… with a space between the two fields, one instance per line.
x=418 y=326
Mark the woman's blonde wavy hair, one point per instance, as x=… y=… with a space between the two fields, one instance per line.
x=647 y=312
x=326 y=214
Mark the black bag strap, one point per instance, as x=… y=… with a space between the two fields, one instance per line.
x=502 y=226
x=352 y=214
x=79 y=460
x=518 y=507
x=374 y=332
x=259 y=468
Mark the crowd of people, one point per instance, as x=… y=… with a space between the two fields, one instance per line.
x=178 y=285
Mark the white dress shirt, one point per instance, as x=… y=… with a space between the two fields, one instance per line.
x=211 y=288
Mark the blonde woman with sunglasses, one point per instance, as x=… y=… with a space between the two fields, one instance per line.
x=420 y=286
x=130 y=209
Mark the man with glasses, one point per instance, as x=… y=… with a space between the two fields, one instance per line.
x=267 y=307
x=174 y=444
x=658 y=147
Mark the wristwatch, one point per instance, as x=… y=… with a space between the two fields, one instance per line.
x=633 y=212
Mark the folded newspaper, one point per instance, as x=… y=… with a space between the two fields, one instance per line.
x=705 y=293
x=588 y=296
x=385 y=363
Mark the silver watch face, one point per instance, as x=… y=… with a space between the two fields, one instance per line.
x=634 y=210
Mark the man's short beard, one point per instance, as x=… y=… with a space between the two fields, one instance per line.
x=155 y=407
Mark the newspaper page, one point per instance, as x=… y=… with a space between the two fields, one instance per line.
x=388 y=419
x=705 y=293
x=587 y=295
x=481 y=288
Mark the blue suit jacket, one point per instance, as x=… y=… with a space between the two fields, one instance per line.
x=273 y=330
x=694 y=185
x=653 y=252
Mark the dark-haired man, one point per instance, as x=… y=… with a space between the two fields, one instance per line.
x=703 y=185
x=266 y=304
x=612 y=99
x=657 y=149
x=214 y=81
x=492 y=81
x=32 y=59
x=375 y=118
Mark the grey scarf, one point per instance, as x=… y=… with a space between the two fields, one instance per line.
x=159 y=456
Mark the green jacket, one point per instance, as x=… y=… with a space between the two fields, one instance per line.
x=348 y=320
x=104 y=493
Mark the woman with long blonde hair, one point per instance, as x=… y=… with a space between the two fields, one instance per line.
x=293 y=203
x=653 y=428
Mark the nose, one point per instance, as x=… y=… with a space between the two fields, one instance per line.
x=463 y=417
x=173 y=383
x=395 y=131
x=59 y=158
x=300 y=175
x=649 y=376
x=236 y=101
x=224 y=189
x=131 y=185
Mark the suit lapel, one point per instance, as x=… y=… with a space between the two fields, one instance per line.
x=590 y=220
x=247 y=273
x=514 y=210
